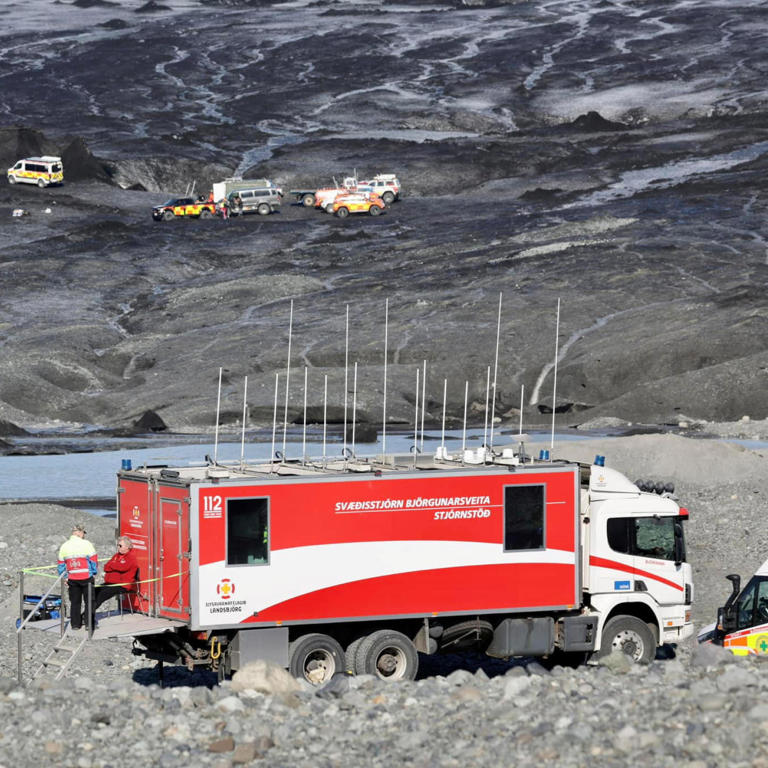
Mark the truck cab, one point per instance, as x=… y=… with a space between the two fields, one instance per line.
x=636 y=576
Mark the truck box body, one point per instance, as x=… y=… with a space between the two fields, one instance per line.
x=235 y=551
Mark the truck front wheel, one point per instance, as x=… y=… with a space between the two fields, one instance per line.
x=388 y=654
x=629 y=635
x=315 y=657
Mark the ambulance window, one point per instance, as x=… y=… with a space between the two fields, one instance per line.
x=247 y=531
x=17 y=166
x=55 y=168
x=523 y=517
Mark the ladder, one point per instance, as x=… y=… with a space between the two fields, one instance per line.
x=63 y=653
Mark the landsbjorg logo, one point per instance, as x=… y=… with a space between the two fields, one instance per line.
x=136 y=513
x=225 y=588
x=226 y=603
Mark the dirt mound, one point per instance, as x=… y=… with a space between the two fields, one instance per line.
x=669 y=457
x=80 y=164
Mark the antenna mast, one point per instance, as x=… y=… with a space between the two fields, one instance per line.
x=464 y=431
x=554 y=382
x=495 y=370
x=346 y=380
x=274 y=423
x=216 y=431
x=325 y=411
x=442 y=437
x=416 y=421
x=423 y=402
x=485 y=425
x=245 y=414
x=304 y=431
x=287 y=378
x=522 y=395
x=384 y=413
x=354 y=407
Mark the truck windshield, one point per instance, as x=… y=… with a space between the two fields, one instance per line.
x=752 y=605
x=644 y=536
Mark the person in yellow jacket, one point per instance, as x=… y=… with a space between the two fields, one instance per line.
x=77 y=558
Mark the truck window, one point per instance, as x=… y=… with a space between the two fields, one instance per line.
x=247 y=531
x=523 y=517
x=643 y=536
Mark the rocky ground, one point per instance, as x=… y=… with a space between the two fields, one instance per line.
x=609 y=158
x=698 y=709
x=608 y=155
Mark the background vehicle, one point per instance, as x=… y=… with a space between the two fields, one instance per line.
x=263 y=200
x=222 y=189
x=183 y=206
x=360 y=565
x=323 y=197
x=43 y=171
x=742 y=623
x=358 y=202
x=386 y=185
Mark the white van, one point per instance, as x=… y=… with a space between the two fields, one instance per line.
x=43 y=171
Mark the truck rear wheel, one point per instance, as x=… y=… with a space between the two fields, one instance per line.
x=205 y=213
x=315 y=657
x=263 y=209
x=388 y=198
x=388 y=654
x=375 y=210
x=631 y=636
x=351 y=653
x=41 y=183
x=308 y=200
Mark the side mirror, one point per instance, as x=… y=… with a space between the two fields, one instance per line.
x=678 y=528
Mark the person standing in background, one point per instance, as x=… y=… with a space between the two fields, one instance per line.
x=78 y=559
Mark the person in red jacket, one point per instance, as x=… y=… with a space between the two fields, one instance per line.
x=119 y=573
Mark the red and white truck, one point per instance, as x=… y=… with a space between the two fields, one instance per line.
x=359 y=564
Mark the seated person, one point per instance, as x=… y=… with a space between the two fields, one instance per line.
x=119 y=573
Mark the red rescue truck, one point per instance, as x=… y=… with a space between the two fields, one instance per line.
x=360 y=564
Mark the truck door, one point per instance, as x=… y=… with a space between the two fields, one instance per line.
x=643 y=558
x=174 y=562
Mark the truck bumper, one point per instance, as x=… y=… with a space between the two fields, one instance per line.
x=677 y=634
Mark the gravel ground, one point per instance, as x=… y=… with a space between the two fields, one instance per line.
x=700 y=708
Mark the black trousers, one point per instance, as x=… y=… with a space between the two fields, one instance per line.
x=105 y=592
x=78 y=597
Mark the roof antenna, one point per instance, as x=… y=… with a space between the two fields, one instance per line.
x=354 y=407
x=274 y=423
x=423 y=401
x=522 y=395
x=384 y=413
x=416 y=422
x=464 y=431
x=216 y=431
x=287 y=377
x=245 y=416
x=443 y=451
x=495 y=372
x=485 y=425
x=554 y=383
x=346 y=381
x=304 y=431
x=325 y=413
